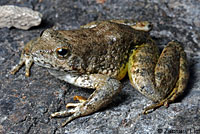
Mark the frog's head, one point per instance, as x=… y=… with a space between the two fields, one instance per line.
x=52 y=51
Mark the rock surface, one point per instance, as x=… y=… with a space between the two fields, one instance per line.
x=19 y=17
x=26 y=103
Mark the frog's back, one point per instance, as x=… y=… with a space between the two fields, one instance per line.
x=104 y=48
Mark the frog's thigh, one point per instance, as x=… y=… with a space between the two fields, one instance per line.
x=106 y=89
x=141 y=68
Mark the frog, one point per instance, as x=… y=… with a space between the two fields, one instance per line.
x=100 y=54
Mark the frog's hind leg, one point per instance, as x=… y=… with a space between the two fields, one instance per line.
x=181 y=82
x=106 y=89
x=159 y=77
x=174 y=58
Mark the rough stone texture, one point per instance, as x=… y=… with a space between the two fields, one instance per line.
x=26 y=103
x=19 y=17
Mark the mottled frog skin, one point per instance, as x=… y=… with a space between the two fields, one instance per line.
x=100 y=54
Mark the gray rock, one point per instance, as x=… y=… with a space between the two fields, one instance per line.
x=19 y=17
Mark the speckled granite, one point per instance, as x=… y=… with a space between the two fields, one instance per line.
x=26 y=103
x=19 y=17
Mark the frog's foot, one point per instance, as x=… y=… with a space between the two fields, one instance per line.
x=106 y=89
x=25 y=59
x=152 y=107
x=75 y=111
x=160 y=78
x=172 y=96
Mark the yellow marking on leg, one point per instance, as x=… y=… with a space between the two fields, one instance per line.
x=80 y=98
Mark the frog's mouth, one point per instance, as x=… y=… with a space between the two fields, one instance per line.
x=68 y=76
x=57 y=73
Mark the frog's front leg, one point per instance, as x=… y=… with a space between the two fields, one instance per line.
x=160 y=78
x=26 y=58
x=106 y=89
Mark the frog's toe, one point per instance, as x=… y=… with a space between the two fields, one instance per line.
x=24 y=60
x=62 y=113
x=15 y=68
x=72 y=113
x=18 y=66
x=152 y=107
x=72 y=105
x=79 y=98
x=72 y=117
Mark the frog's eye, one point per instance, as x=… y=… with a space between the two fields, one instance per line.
x=62 y=52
